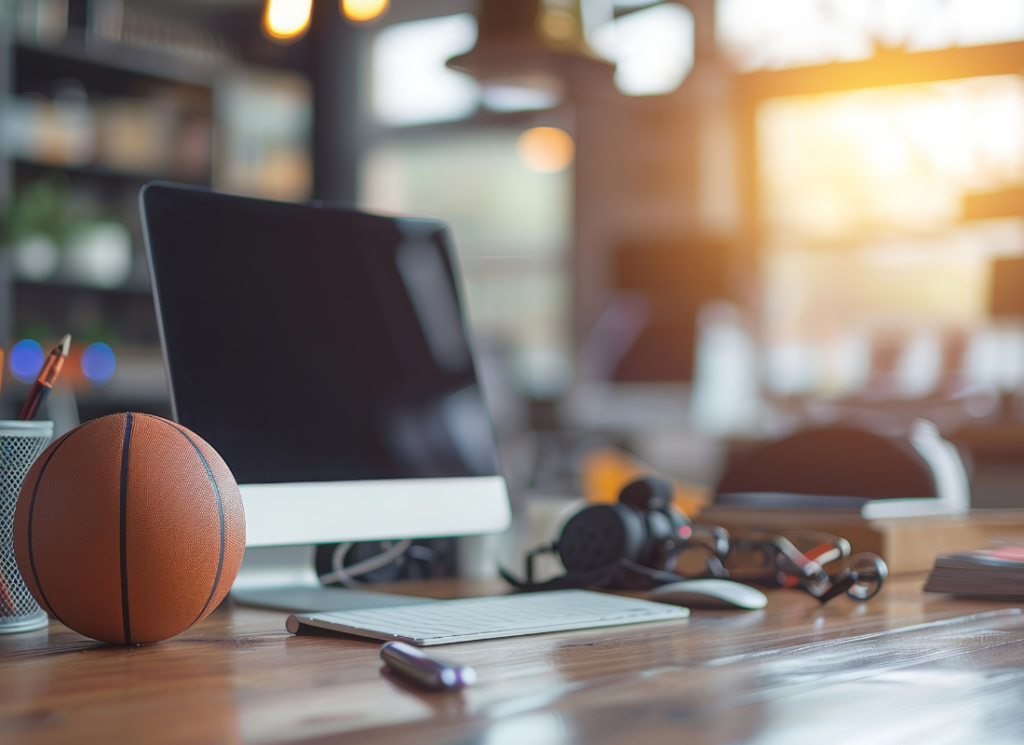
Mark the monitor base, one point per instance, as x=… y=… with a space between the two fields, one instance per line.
x=283 y=578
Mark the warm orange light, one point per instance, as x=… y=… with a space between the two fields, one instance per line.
x=362 y=11
x=545 y=149
x=287 y=19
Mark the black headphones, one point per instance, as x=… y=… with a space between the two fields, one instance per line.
x=633 y=544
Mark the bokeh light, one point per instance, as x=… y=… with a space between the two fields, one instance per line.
x=26 y=360
x=287 y=20
x=546 y=149
x=98 y=363
x=411 y=82
x=362 y=11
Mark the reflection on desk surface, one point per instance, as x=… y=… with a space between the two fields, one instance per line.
x=907 y=666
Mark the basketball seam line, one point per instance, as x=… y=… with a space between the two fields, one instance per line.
x=220 y=512
x=124 y=530
x=31 y=514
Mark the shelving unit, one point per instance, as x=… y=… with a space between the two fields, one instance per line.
x=78 y=47
x=109 y=75
x=99 y=173
x=151 y=115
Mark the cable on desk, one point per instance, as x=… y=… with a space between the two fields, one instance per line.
x=346 y=575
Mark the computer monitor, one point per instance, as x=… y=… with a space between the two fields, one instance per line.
x=323 y=353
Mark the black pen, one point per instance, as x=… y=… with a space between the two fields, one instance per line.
x=422 y=670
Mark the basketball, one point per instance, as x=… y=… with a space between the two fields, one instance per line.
x=129 y=529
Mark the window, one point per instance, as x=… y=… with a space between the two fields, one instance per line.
x=865 y=234
x=652 y=48
x=511 y=226
x=411 y=84
x=772 y=34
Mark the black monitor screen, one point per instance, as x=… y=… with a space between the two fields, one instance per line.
x=314 y=344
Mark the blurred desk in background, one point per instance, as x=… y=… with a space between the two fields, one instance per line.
x=907 y=666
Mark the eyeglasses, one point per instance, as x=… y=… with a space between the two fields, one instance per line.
x=798 y=559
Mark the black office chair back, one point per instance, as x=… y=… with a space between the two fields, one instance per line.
x=833 y=461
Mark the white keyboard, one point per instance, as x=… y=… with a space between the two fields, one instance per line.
x=448 y=621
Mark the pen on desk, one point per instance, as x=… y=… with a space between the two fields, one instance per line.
x=47 y=377
x=411 y=663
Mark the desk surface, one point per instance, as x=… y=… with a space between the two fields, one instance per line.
x=907 y=666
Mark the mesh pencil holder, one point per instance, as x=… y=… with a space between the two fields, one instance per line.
x=20 y=445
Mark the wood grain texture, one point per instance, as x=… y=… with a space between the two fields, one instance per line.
x=908 y=666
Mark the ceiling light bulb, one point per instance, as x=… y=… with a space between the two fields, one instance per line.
x=287 y=20
x=362 y=11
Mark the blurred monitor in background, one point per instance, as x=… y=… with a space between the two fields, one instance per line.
x=672 y=280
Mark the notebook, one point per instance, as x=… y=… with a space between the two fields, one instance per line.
x=995 y=572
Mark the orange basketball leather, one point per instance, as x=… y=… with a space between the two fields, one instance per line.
x=129 y=529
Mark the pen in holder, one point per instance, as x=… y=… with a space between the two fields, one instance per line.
x=20 y=445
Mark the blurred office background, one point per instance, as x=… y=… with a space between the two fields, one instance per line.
x=682 y=226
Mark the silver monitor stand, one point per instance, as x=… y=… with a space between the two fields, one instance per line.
x=284 y=578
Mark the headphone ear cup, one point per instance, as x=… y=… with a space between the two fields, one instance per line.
x=659 y=527
x=648 y=493
x=600 y=536
x=664 y=536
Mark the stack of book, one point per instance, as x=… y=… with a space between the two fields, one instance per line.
x=996 y=572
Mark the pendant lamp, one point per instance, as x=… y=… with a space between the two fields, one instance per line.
x=539 y=46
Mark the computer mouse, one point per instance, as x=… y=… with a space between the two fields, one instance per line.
x=710 y=593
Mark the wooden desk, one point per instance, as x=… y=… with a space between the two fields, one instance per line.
x=906 y=667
